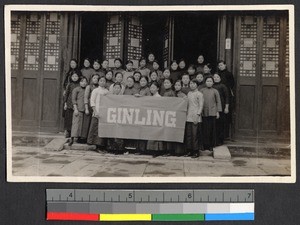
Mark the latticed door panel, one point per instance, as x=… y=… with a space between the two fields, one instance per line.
x=259 y=93
x=35 y=52
x=135 y=40
x=113 y=40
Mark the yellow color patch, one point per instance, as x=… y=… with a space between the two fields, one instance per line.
x=125 y=217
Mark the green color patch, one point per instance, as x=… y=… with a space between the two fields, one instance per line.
x=177 y=217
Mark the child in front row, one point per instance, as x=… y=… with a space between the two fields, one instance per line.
x=68 y=105
x=155 y=146
x=97 y=93
x=79 y=110
x=169 y=146
x=179 y=147
x=116 y=145
x=211 y=109
x=195 y=108
x=144 y=91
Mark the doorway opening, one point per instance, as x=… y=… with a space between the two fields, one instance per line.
x=194 y=34
x=92 y=30
x=153 y=34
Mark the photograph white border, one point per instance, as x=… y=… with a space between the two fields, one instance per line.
x=118 y=8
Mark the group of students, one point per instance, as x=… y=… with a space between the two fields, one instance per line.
x=208 y=95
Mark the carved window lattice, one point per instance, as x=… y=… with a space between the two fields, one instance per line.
x=113 y=38
x=270 y=56
x=32 y=42
x=287 y=53
x=248 y=46
x=15 y=40
x=51 y=60
x=134 y=40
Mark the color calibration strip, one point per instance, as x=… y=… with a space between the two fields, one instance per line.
x=150 y=205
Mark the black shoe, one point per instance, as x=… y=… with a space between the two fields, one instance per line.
x=71 y=142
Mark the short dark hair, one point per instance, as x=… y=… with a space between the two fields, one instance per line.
x=222 y=61
x=117 y=83
x=129 y=61
x=195 y=81
x=145 y=78
x=118 y=59
x=155 y=83
x=192 y=66
x=209 y=77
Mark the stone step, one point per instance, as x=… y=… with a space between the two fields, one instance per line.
x=264 y=150
x=221 y=153
x=82 y=147
x=57 y=144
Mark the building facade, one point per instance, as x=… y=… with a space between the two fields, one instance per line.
x=254 y=45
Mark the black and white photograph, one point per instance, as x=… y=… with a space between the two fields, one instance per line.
x=159 y=94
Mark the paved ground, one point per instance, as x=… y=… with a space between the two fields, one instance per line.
x=34 y=161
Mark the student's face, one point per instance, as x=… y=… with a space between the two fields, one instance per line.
x=217 y=78
x=177 y=86
x=174 y=66
x=193 y=85
x=185 y=80
x=137 y=77
x=74 y=77
x=209 y=82
x=153 y=76
x=166 y=73
x=130 y=82
x=116 y=89
x=143 y=82
x=151 y=57
x=117 y=64
x=129 y=66
x=200 y=59
x=86 y=63
x=191 y=71
x=102 y=82
x=119 y=77
x=153 y=89
x=199 y=77
x=142 y=63
x=109 y=76
x=167 y=84
x=83 y=83
x=182 y=64
x=105 y=64
x=96 y=66
x=73 y=64
x=155 y=66
x=95 y=79
x=206 y=69
x=221 y=66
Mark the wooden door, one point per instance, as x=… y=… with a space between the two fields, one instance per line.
x=260 y=95
x=35 y=70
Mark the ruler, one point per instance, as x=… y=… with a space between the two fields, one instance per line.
x=150 y=205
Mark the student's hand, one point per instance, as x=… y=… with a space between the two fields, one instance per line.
x=76 y=113
x=64 y=93
x=226 y=110
x=65 y=106
x=138 y=95
x=87 y=112
x=196 y=118
x=218 y=115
